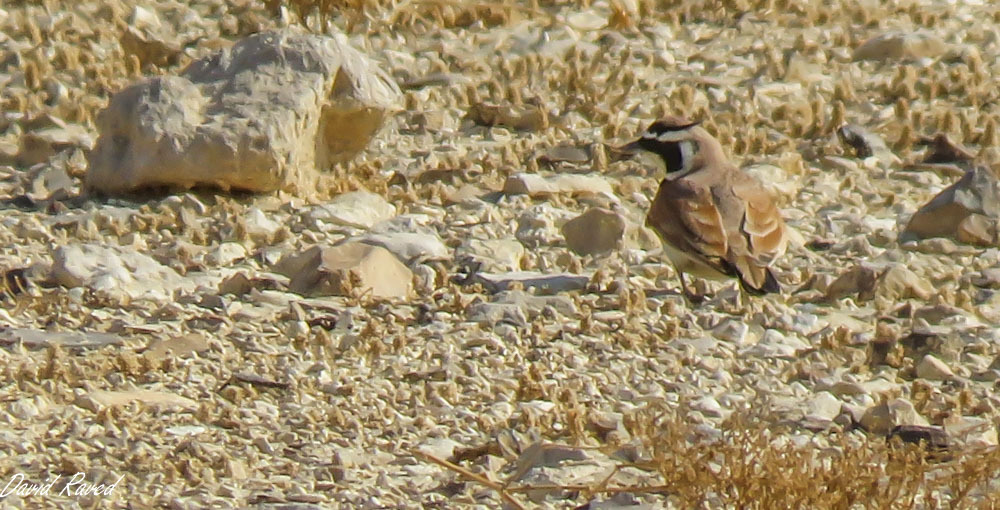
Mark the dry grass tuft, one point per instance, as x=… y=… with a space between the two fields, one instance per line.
x=754 y=465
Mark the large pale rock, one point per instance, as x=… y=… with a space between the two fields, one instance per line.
x=596 y=231
x=115 y=270
x=967 y=211
x=262 y=115
x=901 y=46
x=326 y=271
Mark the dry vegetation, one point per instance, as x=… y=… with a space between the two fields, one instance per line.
x=67 y=68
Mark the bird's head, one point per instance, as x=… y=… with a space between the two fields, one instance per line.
x=677 y=144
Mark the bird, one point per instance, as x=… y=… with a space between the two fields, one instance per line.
x=714 y=220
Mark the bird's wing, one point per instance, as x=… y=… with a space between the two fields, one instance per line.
x=757 y=234
x=686 y=216
x=762 y=223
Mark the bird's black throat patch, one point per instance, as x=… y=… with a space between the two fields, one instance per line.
x=676 y=155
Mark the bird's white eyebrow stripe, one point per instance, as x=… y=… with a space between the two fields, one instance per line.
x=668 y=136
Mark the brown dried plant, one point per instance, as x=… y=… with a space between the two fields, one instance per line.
x=752 y=464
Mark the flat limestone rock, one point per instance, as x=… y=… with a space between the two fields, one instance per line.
x=65 y=339
x=115 y=270
x=542 y=282
x=358 y=209
x=901 y=46
x=99 y=399
x=572 y=184
x=265 y=114
x=330 y=271
x=409 y=247
x=178 y=347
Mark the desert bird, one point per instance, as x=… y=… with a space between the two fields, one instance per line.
x=714 y=220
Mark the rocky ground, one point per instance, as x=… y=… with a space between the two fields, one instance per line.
x=171 y=337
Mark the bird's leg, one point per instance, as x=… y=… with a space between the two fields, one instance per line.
x=693 y=298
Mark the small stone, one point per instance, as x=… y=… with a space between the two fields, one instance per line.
x=66 y=339
x=934 y=369
x=899 y=282
x=548 y=283
x=409 y=247
x=846 y=388
x=901 y=46
x=859 y=280
x=536 y=185
x=226 y=254
x=498 y=255
x=339 y=270
x=865 y=144
x=358 y=209
x=824 y=406
x=185 y=430
x=565 y=154
x=155 y=45
x=259 y=227
x=497 y=313
x=942 y=149
x=947 y=214
x=519 y=117
x=442 y=447
x=882 y=418
x=99 y=399
x=987 y=278
x=534 y=305
x=709 y=406
x=732 y=331
x=977 y=230
x=177 y=347
x=931 y=437
x=239 y=284
x=594 y=232
x=973 y=431
x=52 y=183
x=435 y=120
x=39 y=145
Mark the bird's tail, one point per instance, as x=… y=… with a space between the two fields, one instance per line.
x=769 y=285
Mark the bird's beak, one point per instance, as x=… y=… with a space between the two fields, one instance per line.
x=630 y=149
